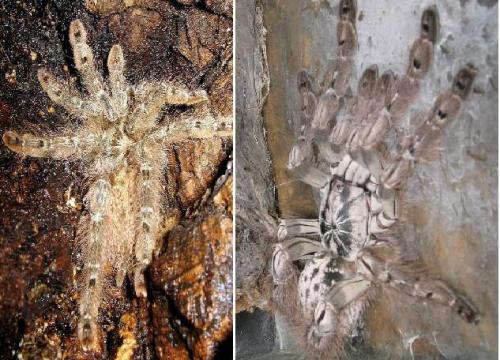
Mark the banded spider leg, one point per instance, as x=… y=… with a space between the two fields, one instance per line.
x=316 y=113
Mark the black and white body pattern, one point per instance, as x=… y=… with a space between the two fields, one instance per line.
x=122 y=148
x=327 y=270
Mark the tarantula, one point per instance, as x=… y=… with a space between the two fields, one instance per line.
x=122 y=148
x=327 y=270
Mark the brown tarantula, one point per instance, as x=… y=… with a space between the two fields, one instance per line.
x=123 y=151
x=326 y=270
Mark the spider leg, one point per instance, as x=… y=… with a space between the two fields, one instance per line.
x=383 y=209
x=346 y=291
x=84 y=58
x=195 y=127
x=145 y=109
x=124 y=209
x=375 y=118
x=150 y=98
x=339 y=74
x=309 y=99
x=181 y=95
x=339 y=71
x=317 y=113
x=298 y=227
x=362 y=168
x=363 y=107
x=419 y=64
x=420 y=286
x=367 y=92
x=289 y=251
x=421 y=145
x=355 y=169
x=328 y=105
x=57 y=147
x=312 y=176
x=386 y=100
x=66 y=95
x=97 y=199
x=117 y=82
x=147 y=230
x=112 y=106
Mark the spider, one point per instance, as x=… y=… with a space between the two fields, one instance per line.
x=327 y=270
x=122 y=148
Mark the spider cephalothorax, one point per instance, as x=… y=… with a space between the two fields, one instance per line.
x=122 y=148
x=327 y=270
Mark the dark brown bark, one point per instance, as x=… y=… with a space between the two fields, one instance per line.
x=41 y=199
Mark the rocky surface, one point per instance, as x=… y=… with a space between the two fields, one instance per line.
x=255 y=191
x=188 y=313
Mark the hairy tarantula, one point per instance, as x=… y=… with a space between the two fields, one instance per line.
x=327 y=270
x=122 y=148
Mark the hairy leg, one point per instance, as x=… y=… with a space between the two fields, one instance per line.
x=371 y=121
x=419 y=64
x=65 y=94
x=98 y=200
x=117 y=82
x=317 y=113
x=421 y=145
x=362 y=108
x=124 y=209
x=338 y=74
x=312 y=176
x=149 y=98
x=195 y=127
x=308 y=97
x=291 y=250
x=149 y=188
x=112 y=106
x=289 y=228
x=57 y=147
x=84 y=58
x=382 y=102
x=329 y=101
x=414 y=283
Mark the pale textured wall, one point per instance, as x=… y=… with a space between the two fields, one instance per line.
x=452 y=203
x=255 y=192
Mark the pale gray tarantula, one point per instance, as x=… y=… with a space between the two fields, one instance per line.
x=122 y=148
x=326 y=270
